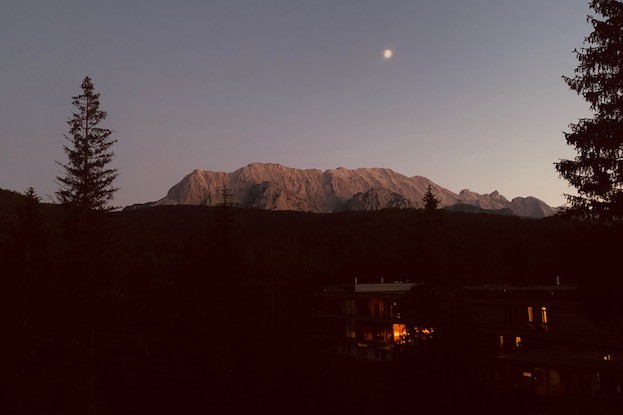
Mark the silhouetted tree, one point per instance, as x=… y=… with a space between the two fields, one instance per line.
x=597 y=171
x=23 y=312
x=455 y=351
x=225 y=197
x=24 y=250
x=88 y=180
x=89 y=255
x=431 y=203
x=424 y=306
x=29 y=223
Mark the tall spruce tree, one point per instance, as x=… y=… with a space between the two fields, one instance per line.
x=431 y=203
x=88 y=180
x=87 y=262
x=597 y=170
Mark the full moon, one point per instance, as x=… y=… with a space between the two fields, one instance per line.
x=387 y=53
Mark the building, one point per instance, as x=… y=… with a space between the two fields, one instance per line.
x=363 y=320
x=540 y=343
x=547 y=345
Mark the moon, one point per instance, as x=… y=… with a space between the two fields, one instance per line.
x=387 y=53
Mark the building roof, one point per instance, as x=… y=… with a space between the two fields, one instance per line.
x=397 y=287
x=567 y=291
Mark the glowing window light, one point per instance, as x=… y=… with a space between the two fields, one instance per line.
x=544 y=314
x=530 y=316
x=400 y=330
x=350 y=329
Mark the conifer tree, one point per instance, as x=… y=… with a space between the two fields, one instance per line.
x=87 y=188
x=88 y=180
x=597 y=170
x=431 y=203
x=225 y=197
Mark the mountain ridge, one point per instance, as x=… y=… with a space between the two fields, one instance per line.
x=274 y=186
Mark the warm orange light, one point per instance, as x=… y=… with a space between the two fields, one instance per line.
x=544 y=314
x=400 y=330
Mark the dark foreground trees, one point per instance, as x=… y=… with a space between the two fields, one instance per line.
x=161 y=326
x=597 y=170
x=88 y=180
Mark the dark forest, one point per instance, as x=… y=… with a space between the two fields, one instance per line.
x=187 y=308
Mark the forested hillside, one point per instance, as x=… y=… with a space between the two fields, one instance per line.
x=157 y=309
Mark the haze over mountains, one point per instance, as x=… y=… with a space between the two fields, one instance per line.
x=276 y=187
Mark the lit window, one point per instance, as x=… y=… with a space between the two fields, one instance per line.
x=527 y=374
x=530 y=316
x=518 y=341
x=554 y=377
x=400 y=330
x=544 y=314
x=608 y=357
x=350 y=329
x=501 y=342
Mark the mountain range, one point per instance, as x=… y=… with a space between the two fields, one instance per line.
x=276 y=187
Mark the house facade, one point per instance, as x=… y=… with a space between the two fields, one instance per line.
x=541 y=341
x=547 y=345
x=363 y=320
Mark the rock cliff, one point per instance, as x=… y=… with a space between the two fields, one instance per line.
x=276 y=187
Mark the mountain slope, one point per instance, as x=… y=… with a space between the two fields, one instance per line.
x=276 y=187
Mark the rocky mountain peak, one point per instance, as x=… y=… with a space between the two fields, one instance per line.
x=276 y=187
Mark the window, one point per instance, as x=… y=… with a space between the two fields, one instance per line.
x=350 y=328
x=517 y=341
x=400 y=331
x=539 y=376
x=349 y=307
x=394 y=310
x=556 y=386
x=544 y=315
x=377 y=308
x=544 y=318
x=530 y=316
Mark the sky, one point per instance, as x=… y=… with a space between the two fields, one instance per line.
x=471 y=98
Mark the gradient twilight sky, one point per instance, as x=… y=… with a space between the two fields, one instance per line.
x=472 y=97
